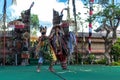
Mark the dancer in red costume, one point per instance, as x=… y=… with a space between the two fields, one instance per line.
x=59 y=46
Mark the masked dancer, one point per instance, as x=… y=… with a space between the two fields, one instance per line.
x=44 y=50
x=59 y=46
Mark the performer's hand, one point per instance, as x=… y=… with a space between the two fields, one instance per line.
x=36 y=55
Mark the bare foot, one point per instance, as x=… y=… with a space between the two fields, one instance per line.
x=51 y=69
x=38 y=70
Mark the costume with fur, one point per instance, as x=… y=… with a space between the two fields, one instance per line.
x=59 y=46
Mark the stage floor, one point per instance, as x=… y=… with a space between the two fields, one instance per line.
x=75 y=72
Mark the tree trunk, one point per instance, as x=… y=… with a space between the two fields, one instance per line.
x=107 y=57
x=108 y=45
x=74 y=13
x=114 y=36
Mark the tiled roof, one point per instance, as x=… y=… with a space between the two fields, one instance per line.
x=80 y=34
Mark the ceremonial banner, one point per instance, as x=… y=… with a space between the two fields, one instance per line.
x=90 y=26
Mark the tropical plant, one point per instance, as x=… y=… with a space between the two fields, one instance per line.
x=91 y=58
x=109 y=19
x=34 y=24
x=115 y=50
x=34 y=21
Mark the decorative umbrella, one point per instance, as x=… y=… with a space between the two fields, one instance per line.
x=16 y=24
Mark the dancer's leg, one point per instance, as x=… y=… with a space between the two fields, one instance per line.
x=40 y=61
x=51 y=66
x=63 y=61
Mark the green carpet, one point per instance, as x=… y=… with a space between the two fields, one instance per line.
x=75 y=72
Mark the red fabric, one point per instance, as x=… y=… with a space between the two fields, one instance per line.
x=61 y=57
x=65 y=24
x=90 y=25
x=19 y=26
x=63 y=60
x=91 y=12
x=89 y=48
x=91 y=0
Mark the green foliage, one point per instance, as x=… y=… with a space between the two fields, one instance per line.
x=102 y=61
x=103 y=2
x=110 y=12
x=115 y=64
x=86 y=62
x=34 y=20
x=79 y=57
x=33 y=61
x=34 y=24
x=91 y=56
x=115 y=50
